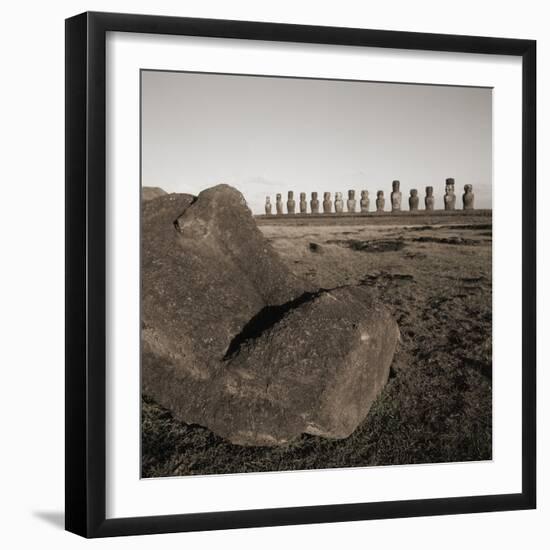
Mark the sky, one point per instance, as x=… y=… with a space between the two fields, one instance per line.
x=268 y=135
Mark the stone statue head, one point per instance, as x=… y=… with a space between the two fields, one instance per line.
x=351 y=194
x=326 y=195
x=302 y=196
x=468 y=188
x=450 y=181
x=414 y=192
x=395 y=185
x=268 y=199
x=314 y=195
x=364 y=194
x=291 y=194
x=429 y=191
x=338 y=196
x=278 y=196
x=380 y=194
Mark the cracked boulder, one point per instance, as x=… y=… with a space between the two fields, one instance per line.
x=150 y=193
x=233 y=341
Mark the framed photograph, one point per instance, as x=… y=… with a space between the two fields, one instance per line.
x=300 y=274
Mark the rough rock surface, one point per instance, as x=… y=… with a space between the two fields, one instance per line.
x=315 y=370
x=150 y=193
x=233 y=341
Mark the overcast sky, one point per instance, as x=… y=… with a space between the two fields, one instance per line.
x=270 y=135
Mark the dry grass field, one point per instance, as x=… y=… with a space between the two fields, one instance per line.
x=435 y=276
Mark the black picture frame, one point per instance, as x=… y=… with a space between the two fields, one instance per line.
x=85 y=274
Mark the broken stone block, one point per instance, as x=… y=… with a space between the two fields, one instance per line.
x=233 y=341
x=150 y=193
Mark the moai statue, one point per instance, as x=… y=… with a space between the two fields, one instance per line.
x=314 y=203
x=351 y=201
x=338 y=203
x=395 y=196
x=365 y=201
x=468 y=198
x=450 y=198
x=380 y=201
x=429 y=199
x=268 y=206
x=279 y=204
x=413 y=200
x=327 y=203
x=303 y=203
x=291 y=203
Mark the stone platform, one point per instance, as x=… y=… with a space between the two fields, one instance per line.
x=421 y=217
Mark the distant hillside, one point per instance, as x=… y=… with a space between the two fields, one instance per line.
x=149 y=193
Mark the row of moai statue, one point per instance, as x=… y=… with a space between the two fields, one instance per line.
x=449 y=200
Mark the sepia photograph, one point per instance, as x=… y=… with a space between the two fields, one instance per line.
x=316 y=273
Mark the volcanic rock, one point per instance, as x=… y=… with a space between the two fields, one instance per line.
x=316 y=370
x=150 y=193
x=233 y=341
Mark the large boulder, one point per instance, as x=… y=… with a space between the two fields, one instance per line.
x=150 y=193
x=232 y=340
x=315 y=370
x=206 y=271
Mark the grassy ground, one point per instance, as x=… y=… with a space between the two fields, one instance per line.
x=437 y=405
